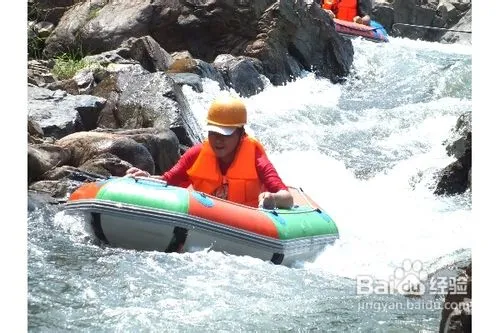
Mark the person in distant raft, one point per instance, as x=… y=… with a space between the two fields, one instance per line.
x=349 y=10
x=230 y=164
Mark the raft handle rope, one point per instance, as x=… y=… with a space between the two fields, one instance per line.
x=429 y=27
x=149 y=179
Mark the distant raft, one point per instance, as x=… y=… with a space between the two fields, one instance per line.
x=151 y=215
x=374 y=32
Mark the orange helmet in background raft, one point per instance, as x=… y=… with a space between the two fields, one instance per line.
x=227 y=111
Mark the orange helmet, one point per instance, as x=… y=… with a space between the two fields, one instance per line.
x=227 y=112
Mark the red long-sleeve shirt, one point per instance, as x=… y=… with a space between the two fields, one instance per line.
x=268 y=175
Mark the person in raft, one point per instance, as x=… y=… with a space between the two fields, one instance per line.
x=229 y=165
x=349 y=10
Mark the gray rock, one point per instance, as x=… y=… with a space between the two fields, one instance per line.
x=60 y=114
x=139 y=99
x=460 y=140
x=243 y=74
x=465 y=24
x=44 y=29
x=204 y=69
x=39 y=73
x=149 y=54
x=190 y=79
x=456 y=177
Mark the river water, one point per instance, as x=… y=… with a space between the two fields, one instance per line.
x=366 y=150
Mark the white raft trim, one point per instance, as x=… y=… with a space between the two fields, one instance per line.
x=138 y=229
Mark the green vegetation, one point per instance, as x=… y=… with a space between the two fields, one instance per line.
x=66 y=65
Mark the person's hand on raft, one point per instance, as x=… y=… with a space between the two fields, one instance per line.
x=136 y=172
x=267 y=201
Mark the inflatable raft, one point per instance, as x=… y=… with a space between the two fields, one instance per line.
x=148 y=214
x=374 y=32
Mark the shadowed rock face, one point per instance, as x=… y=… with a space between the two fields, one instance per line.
x=286 y=36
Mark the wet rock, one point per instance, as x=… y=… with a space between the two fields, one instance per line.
x=243 y=74
x=461 y=139
x=456 y=316
x=190 y=79
x=182 y=62
x=41 y=201
x=59 y=189
x=465 y=24
x=456 y=177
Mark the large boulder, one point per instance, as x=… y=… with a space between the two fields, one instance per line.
x=140 y=99
x=84 y=146
x=162 y=144
x=43 y=158
x=148 y=53
x=150 y=149
x=286 y=36
x=243 y=74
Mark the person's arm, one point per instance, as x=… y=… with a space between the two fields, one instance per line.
x=280 y=199
x=177 y=175
x=136 y=172
x=364 y=11
x=277 y=194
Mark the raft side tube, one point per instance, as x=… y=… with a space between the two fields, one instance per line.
x=145 y=193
